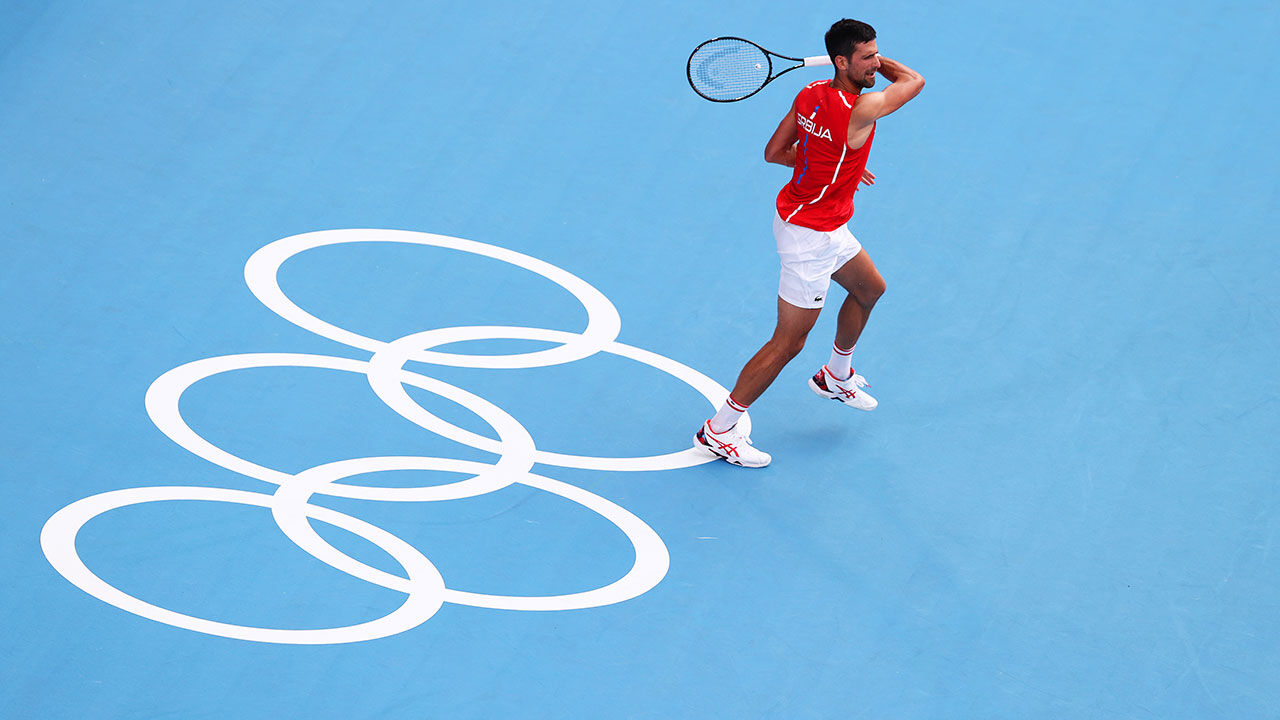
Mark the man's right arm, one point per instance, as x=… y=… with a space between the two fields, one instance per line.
x=781 y=148
x=906 y=84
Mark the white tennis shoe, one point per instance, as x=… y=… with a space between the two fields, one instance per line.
x=731 y=445
x=848 y=391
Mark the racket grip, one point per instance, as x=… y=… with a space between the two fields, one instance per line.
x=817 y=60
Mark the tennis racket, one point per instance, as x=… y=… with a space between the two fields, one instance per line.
x=728 y=69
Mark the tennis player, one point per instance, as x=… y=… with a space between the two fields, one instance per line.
x=826 y=137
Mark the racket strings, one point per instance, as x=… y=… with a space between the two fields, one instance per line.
x=728 y=69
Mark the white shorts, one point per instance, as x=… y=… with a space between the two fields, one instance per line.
x=809 y=257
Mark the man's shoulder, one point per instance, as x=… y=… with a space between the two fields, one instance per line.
x=815 y=86
x=811 y=91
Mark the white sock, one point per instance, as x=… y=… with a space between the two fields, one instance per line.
x=840 y=365
x=727 y=416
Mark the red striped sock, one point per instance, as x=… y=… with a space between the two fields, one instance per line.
x=840 y=365
x=727 y=416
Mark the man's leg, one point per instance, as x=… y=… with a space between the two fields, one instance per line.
x=794 y=324
x=835 y=380
x=719 y=434
x=860 y=277
x=793 y=327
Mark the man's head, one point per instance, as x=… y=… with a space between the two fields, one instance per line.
x=852 y=47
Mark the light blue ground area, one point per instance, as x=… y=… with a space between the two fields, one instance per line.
x=1066 y=505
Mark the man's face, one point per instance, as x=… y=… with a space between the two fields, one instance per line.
x=863 y=64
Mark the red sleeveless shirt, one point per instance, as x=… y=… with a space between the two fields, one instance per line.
x=820 y=194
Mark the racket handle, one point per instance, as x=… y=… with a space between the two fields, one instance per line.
x=817 y=60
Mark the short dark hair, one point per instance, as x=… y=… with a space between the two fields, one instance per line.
x=845 y=35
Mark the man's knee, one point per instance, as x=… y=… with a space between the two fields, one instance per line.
x=794 y=346
x=788 y=346
x=869 y=291
x=876 y=288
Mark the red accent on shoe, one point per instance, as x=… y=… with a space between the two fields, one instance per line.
x=726 y=447
x=820 y=381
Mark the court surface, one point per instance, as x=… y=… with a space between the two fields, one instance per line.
x=352 y=350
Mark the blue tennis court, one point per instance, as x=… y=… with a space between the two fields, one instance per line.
x=353 y=351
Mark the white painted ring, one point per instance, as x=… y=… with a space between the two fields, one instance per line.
x=291 y=501
x=424 y=586
x=603 y=322
x=386 y=366
x=514 y=446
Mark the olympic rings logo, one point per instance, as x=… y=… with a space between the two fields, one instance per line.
x=290 y=504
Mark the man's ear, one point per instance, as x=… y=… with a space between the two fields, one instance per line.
x=842 y=63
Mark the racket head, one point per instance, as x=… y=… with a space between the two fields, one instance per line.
x=728 y=69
